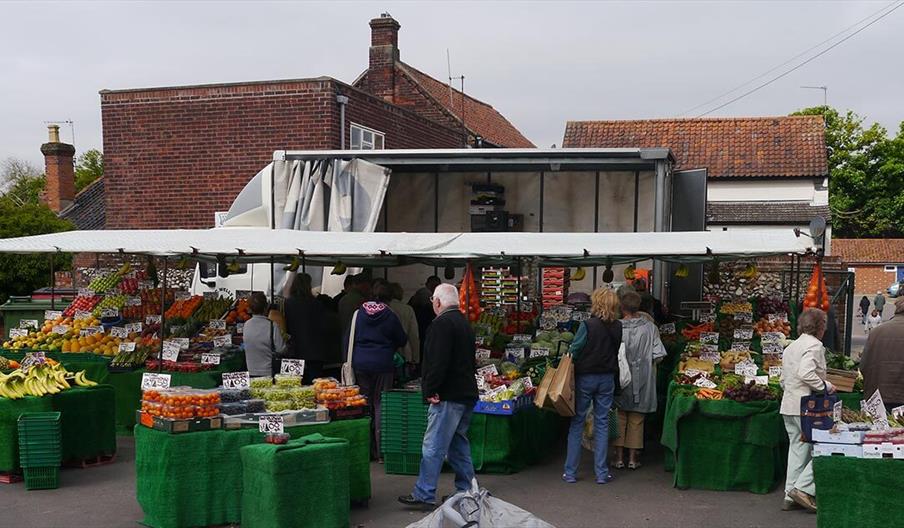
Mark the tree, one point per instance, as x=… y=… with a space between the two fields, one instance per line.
x=20 y=181
x=89 y=167
x=22 y=274
x=866 y=176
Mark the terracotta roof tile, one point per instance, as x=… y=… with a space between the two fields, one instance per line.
x=869 y=250
x=762 y=212
x=479 y=117
x=788 y=146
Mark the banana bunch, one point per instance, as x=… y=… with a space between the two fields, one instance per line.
x=750 y=272
x=40 y=380
x=682 y=272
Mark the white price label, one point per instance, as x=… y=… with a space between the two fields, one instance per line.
x=52 y=315
x=580 y=316
x=60 y=329
x=171 y=351
x=120 y=332
x=761 y=380
x=239 y=328
x=528 y=384
x=772 y=337
x=17 y=332
x=482 y=353
x=28 y=323
x=521 y=338
x=708 y=317
x=515 y=352
x=745 y=368
x=222 y=341
x=712 y=357
x=85 y=292
x=292 y=367
x=109 y=312
x=152 y=319
x=740 y=346
x=836 y=411
x=489 y=370
x=539 y=352
x=217 y=324
x=746 y=317
x=127 y=347
x=709 y=338
x=481 y=382
x=875 y=409
x=667 y=329
x=898 y=413
x=777 y=317
x=133 y=301
x=693 y=372
x=134 y=327
x=236 y=380
x=210 y=359
x=271 y=423
x=81 y=315
x=184 y=342
x=773 y=348
x=32 y=359
x=745 y=334
x=153 y=380
x=182 y=296
x=705 y=383
x=775 y=372
x=91 y=330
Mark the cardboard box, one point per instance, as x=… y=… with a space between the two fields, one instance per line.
x=840 y=437
x=846 y=450
x=178 y=426
x=883 y=450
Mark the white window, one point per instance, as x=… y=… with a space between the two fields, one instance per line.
x=364 y=138
x=891 y=269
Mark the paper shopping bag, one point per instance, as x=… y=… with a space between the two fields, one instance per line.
x=541 y=399
x=561 y=390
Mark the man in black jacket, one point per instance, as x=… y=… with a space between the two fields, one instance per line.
x=449 y=386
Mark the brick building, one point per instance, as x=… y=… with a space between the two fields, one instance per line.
x=877 y=263
x=176 y=155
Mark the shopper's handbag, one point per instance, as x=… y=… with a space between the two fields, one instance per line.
x=624 y=368
x=816 y=412
x=561 y=390
x=348 y=373
x=541 y=399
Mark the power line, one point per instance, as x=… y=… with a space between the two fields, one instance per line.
x=804 y=63
x=792 y=59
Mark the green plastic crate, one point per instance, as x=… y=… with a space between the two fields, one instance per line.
x=38 y=478
x=402 y=463
x=39 y=440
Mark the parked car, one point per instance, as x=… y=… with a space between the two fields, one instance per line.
x=896 y=289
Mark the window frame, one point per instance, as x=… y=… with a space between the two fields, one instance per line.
x=369 y=138
x=891 y=268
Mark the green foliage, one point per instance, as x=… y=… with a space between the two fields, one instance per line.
x=22 y=182
x=89 y=167
x=866 y=176
x=22 y=274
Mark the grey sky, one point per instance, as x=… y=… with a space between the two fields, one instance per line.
x=539 y=63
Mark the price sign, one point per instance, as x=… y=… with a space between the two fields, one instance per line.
x=171 y=351
x=210 y=359
x=60 y=329
x=127 y=347
x=761 y=380
x=777 y=317
x=898 y=412
x=836 y=411
x=772 y=337
x=773 y=348
x=217 y=324
x=521 y=338
x=746 y=317
x=292 y=367
x=91 y=330
x=775 y=371
x=743 y=333
x=271 y=423
x=52 y=315
x=740 y=346
x=539 y=352
x=708 y=317
x=713 y=349
x=120 y=332
x=133 y=301
x=110 y=312
x=667 y=329
x=547 y=322
x=528 y=384
x=85 y=292
x=711 y=357
x=182 y=296
x=874 y=407
x=81 y=315
x=153 y=380
x=134 y=327
x=515 y=352
x=693 y=372
x=579 y=315
x=236 y=380
x=17 y=332
x=28 y=323
x=222 y=341
x=184 y=342
x=152 y=319
x=745 y=368
x=239 y=328
x=705 y=383
x=489 y=370
x=709 y=338
x=482 y=353
x=32 y=359
x=481 y=382
x=497 y=391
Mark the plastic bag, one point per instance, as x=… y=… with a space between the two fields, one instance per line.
x=477 y=506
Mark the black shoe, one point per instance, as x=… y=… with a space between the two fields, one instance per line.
x=410 y=500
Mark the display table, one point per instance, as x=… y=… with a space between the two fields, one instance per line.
x=507 y=444
x=195 y=479
x=95 y=366
x=87 y=427
x=857 y=492
x=724 y=445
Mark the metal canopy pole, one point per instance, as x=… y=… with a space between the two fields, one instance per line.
x=435 y=211
x=542 y=185
x=596 y=219
x=849 y=315
x=162 y=314
x=52 y=284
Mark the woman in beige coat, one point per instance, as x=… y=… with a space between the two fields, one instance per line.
x=803 y=373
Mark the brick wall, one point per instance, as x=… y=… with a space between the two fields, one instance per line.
x=174 y=156
x=409 y=96
x=868 y=279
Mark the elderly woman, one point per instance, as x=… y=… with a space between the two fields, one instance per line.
x=803 y=372
x=595 y=352
x=643 y=349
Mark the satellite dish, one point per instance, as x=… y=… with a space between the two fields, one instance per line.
x=817 y=227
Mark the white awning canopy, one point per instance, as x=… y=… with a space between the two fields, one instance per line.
x=392 y=249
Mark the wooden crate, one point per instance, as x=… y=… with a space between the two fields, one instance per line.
x=843 y=380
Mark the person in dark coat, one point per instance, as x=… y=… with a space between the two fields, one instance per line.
x=864 y=308
x=307 y=324
x=449 y=386
x=423 y=307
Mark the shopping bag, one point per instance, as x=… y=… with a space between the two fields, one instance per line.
x=541 y=399
x=561 y=389
x=816 y=412
x=624 y=368
x=348 y=372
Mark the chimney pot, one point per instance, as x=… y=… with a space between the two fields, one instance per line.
x=53 y=133
x=59 y=174
x=384 y=53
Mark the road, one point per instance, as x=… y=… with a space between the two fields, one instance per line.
x=858 y=335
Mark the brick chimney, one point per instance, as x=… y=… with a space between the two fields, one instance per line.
x=384 y=52
x=59 y=187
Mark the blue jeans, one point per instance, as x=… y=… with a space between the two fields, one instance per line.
x=599 y=389
x=446 y=435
